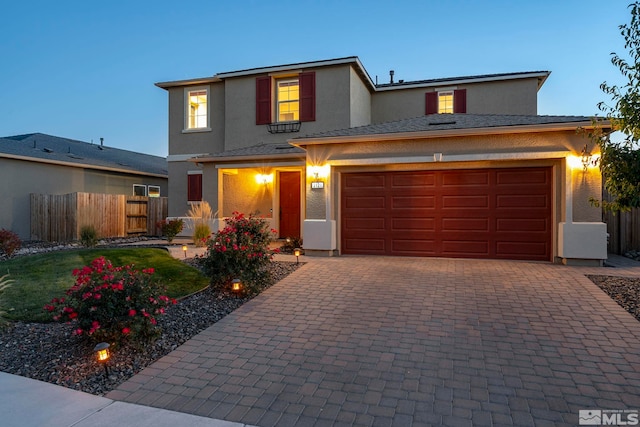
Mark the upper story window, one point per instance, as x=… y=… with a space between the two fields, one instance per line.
x=197 y=108
x=288 y=100
x=446 y=101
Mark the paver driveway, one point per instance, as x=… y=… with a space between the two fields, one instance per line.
x=408 y=341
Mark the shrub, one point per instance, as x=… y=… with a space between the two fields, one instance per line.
x=111 y=303
x=171 y=228
x=88 y=236
x=201 y=233
x=4 y=284
x=9 y=242
x=290 y=244
x=239 y=251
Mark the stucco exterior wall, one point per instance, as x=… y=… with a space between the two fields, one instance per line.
x=360 y=107
x=242 y=193
x=18 y=179
x=504 y=97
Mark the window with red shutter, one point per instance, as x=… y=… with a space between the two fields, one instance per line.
x=431 y=103
x=194 y=187
x=263 y=100
x=460 y=101
x=307 y=96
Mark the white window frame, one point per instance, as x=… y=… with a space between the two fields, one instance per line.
x=445 y=93
x=187 y=92
x=156 y=191
x=143 y=187
x=285 y=80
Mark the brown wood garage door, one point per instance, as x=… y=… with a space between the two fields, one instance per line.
x=478 y=213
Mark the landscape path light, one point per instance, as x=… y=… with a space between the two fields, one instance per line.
x=103 y=354
x=236 y=286
x=184 y=249
x=297 y=252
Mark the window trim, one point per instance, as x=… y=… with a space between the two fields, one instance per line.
x=278 y=101
x=450 y=93
x=187 y=91
x=143 y=187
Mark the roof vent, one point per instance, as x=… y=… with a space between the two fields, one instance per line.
x=442 y=123
x=391 y=73
x=47 y=150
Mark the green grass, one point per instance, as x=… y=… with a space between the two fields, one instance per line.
x=42 y=277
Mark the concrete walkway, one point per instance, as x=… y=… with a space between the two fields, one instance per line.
x=408 y=341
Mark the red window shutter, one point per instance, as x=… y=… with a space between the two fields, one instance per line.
x=307 y=96
x=263 y=100
x=431 y=103
x=194 y=187
x=460 y=101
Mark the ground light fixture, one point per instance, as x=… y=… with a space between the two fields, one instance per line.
x=102 y=354
x=236 y=286
x=297 y=252
x=184 y=250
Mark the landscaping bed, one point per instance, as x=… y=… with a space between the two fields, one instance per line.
x=50 y=352
x=623 y=290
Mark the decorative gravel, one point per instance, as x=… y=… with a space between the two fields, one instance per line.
x=623 y=290
x=50 y=352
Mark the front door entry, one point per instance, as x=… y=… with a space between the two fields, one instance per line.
x=290 y=204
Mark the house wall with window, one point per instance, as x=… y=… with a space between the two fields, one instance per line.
x=20 y=178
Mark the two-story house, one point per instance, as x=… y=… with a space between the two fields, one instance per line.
x=454 y=167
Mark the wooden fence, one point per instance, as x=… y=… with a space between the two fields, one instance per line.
x=59 y=218
x=624 y=231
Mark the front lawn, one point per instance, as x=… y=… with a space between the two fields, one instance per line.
x=42 y=277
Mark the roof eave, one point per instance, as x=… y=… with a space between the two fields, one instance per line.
x=259 y=157
x=446 y=133
x=540 y=75
x=81 y=165
x=189 y=82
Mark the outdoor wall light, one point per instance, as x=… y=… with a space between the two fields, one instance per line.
x=102 y=354
x=264 y=178
x=236 y=286
x=587 y=159
x=297 y=252
x=184 y=250
x=318 y=172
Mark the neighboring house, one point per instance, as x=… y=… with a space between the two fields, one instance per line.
x=455 y=167
x=45 y=164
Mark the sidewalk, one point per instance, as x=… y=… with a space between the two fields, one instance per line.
x=25 y=402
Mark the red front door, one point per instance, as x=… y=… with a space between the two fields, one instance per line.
x=289 y=204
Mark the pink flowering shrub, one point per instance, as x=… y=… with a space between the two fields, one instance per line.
x=111 y=303
x=240 y=251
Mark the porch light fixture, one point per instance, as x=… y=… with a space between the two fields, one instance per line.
x=264 y=178
x=102 y=355
x=318 y=172
x=587 y=159
x=236 y=286
x=184 y=250
x=297 y=252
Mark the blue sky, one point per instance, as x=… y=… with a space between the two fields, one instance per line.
x=86 y=70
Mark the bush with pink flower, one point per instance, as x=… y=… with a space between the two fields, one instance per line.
x=240 y=251
x=110 y=303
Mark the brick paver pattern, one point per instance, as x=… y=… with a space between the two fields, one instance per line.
x=408 y=341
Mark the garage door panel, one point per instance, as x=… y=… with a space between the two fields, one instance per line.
x=464 y=178
x=480 y=213
x=366 y=224
x=408 y=201
x=421 y=181
x=414 y=247
x=465 y=224
x=478 y=201
x=520 y=177
x=465 y=248
x=413 y=224
x=522 y=249
x=522 y=202
x=361 y=181
x=357 y=202
x=523 y=224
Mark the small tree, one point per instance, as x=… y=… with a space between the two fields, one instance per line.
x=171 y=228
x=620 y=161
